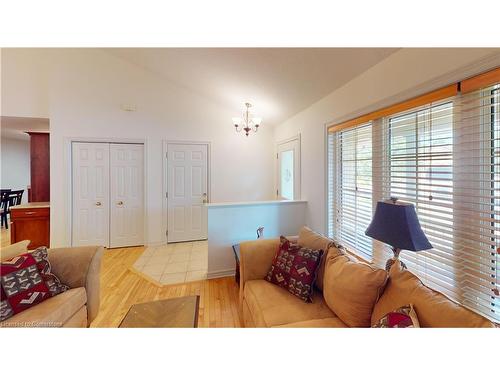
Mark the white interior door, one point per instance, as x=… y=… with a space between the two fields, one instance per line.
x=187 y=181
x=90 y=181
x=288 y=169
x=127 y=195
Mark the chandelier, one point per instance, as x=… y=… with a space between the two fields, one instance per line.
x=248 y=122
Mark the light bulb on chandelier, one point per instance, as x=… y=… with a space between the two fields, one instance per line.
x=248 y=123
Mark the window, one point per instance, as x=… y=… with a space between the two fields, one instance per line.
x=351 y=198
x=286 y=174
x=477 y=235
x=442 y=154
x=288 y=169
x=420 y=152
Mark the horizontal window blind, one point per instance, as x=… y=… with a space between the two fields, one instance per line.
x=351 y=196
x=443 y=157
x=477 y=200
x=420 y=152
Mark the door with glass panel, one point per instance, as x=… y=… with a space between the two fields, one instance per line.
x=288 y=169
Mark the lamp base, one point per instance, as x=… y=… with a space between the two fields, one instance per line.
x=393 y=260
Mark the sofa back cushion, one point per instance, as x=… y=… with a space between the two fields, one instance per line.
x=433 y=308
x=352 y=288
x=312 y=240
x=11 y=251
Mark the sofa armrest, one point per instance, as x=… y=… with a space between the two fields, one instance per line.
x=256 y=258
x=80 y=267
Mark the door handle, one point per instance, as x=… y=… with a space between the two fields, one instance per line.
x=97 y=203
x=119 y=203
x=205 y=198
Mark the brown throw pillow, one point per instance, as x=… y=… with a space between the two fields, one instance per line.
x=434 y=309
x=351 y=289
x=294 y=268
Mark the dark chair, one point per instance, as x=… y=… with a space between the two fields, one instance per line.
x=9 y=199
x=4 y=202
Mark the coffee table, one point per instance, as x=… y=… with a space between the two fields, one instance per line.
x=179 y=312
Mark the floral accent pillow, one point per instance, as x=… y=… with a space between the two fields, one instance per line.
x=26 y=280
x=295 y=268
x=404 y=317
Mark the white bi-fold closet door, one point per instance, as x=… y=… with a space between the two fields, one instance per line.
x=108 y=194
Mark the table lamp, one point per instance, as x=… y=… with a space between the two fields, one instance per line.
x=397 y=225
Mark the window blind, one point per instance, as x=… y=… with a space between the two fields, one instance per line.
x=444 y=157
x=351 y=196
x=420 y=171
x=477 y=200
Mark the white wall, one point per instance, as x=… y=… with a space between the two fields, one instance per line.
x=81 y=91
x=15 y=154
x=407 y=73
x=232 y=224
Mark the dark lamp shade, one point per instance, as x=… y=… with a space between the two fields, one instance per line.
x=397 y=224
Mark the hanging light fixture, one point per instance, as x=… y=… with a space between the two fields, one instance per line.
x=248 y=122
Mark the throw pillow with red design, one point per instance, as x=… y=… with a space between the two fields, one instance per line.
x=294 y=268
x=404 y=317
x=26 y=280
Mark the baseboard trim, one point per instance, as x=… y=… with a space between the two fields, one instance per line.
x=221 y=273
x=155 y=243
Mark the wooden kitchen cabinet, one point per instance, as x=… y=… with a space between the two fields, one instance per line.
x=40 y=167
x=31 y=222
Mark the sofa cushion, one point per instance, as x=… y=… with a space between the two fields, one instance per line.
x=312 y=240
x=53 y=312
x=294 y=268
x=26 y=280
x=316 y=323
x=78 y=320
x=269 y=305
x=433 y=308
x=351 y=289
x=9 y=252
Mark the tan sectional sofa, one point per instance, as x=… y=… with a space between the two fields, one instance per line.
x=263 y=304
x=77 y=267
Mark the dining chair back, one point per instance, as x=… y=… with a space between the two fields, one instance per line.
x=9 y=199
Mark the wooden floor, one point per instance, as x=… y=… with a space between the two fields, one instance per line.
x=4 y=237
x=120 y=288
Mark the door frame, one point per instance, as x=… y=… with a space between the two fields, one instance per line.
x=277 y=166
x=68 y=178
x=167 y=142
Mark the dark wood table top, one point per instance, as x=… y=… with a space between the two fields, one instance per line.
x=179 y=312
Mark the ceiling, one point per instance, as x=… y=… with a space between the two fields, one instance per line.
x=279 y=82
x=15 y=127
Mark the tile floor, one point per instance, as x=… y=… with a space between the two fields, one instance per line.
x=174 y=263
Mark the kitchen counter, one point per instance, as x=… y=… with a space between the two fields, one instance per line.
x=31 y=205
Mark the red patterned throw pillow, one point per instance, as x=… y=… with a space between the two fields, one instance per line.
x=294 y=268
x=404 y=317
x=27 y=280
